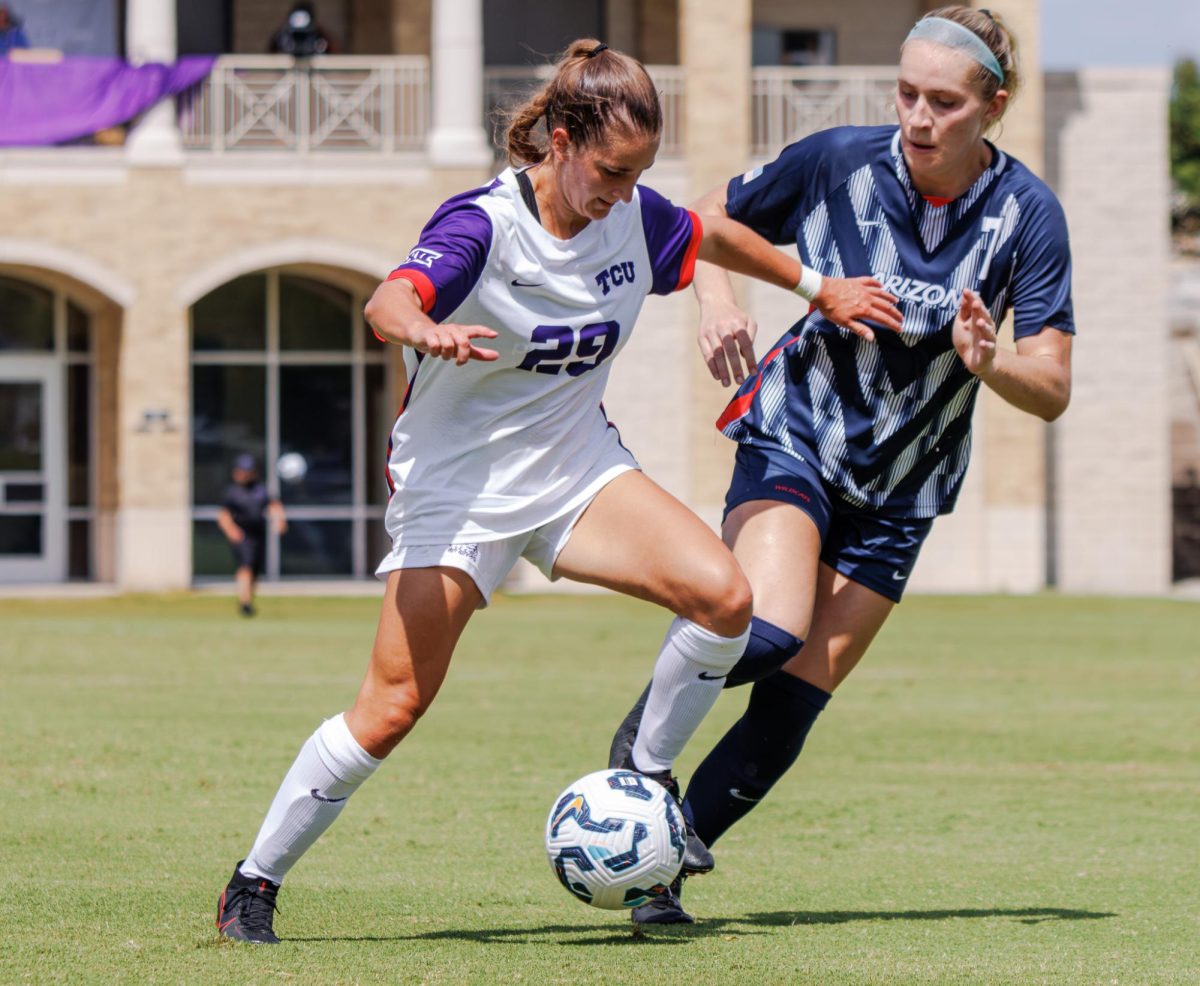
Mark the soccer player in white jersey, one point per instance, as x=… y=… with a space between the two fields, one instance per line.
x=511 y=308
x=851 y=442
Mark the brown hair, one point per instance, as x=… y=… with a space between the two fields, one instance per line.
x=593 y=90
x=993 y=32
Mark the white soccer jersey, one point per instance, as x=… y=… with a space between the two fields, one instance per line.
x=493 y=449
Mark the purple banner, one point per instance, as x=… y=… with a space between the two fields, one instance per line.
x=43 y=104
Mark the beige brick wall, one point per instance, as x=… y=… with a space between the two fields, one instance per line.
x=1106 y=154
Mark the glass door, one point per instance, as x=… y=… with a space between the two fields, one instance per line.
x=32 y=507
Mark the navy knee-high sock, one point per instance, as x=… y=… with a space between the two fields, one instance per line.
x=757 y=751
x=768 y=649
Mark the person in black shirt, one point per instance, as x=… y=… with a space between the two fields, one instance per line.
x=300 y=35
x=243 y=521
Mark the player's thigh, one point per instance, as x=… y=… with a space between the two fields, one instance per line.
x=778 y=546
x=637 y=539
x=846 y=618
x=423 y=615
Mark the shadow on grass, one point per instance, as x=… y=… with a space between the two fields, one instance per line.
x=609 y=934
x=1025 y=915
x=560 y=934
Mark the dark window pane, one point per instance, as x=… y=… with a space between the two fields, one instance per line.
x=210 y=550
x=21 y=433
x=379 y=428
x=79 y=559
x=20 y=534
x=26 y=316
x=229 y=416
x=378 y=543
x=234 y=316
x=24 y=492
x=312 y=547
x=79 y=445
x=315 y=421
x=313 y=315
x=79 y=338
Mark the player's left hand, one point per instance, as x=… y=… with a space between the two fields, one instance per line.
x=974 y=334
x=847 y=301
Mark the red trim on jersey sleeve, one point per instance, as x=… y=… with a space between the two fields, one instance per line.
x=687 y=269
x=425 y=289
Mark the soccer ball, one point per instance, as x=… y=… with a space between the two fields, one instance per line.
x=291 y=467
x=615 y=839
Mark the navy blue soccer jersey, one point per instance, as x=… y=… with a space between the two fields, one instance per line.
x=889 y=422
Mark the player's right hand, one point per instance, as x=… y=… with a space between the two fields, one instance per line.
x=848 y=301
x=453 y=342
x=726 y=338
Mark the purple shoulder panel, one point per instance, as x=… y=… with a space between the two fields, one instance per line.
x=669 y=240
x=453 y=249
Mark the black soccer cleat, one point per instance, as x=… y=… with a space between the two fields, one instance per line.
x=247 y=909
x=696 y=857
x=665 y=909
x=621 y=751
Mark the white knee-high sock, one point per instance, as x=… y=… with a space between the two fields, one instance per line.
x=688 y=677
x=329 y=768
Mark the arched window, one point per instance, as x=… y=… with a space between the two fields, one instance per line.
x=47 y=434
x=284 y=368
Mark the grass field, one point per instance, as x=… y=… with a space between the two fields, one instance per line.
x=1008 y=791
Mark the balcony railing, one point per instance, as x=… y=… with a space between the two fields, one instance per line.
x=790 y=103
x=505 y=87
x=378 y=105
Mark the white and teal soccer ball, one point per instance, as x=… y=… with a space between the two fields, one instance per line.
x=615 y=839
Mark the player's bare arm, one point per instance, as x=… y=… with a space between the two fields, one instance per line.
x=394 y=312
x=726 y=333
x=229 y=527
x=1036 y=378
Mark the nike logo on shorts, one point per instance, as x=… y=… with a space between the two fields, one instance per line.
x=329 y=801
x=735 y=793
x=705 y=676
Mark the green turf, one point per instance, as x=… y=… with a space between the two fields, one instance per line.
x=1008 y=791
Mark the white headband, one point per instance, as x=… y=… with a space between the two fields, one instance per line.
x=954 y=35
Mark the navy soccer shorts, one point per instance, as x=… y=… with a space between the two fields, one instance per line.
x=872 y=550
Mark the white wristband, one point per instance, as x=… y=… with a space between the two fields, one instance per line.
x=810 y=284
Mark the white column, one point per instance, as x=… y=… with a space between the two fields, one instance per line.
x=150 y=37
x=457 y=138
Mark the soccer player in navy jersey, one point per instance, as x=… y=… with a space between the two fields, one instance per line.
x=851 y=442
x=510 y=308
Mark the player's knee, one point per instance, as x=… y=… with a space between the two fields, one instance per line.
x=723 y=600
x=397 y=711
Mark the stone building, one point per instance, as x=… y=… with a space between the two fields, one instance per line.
x=195 y=290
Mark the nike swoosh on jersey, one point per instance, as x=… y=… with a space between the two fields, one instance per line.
x=898 y=576
x=329 y=801
x=517 y=283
